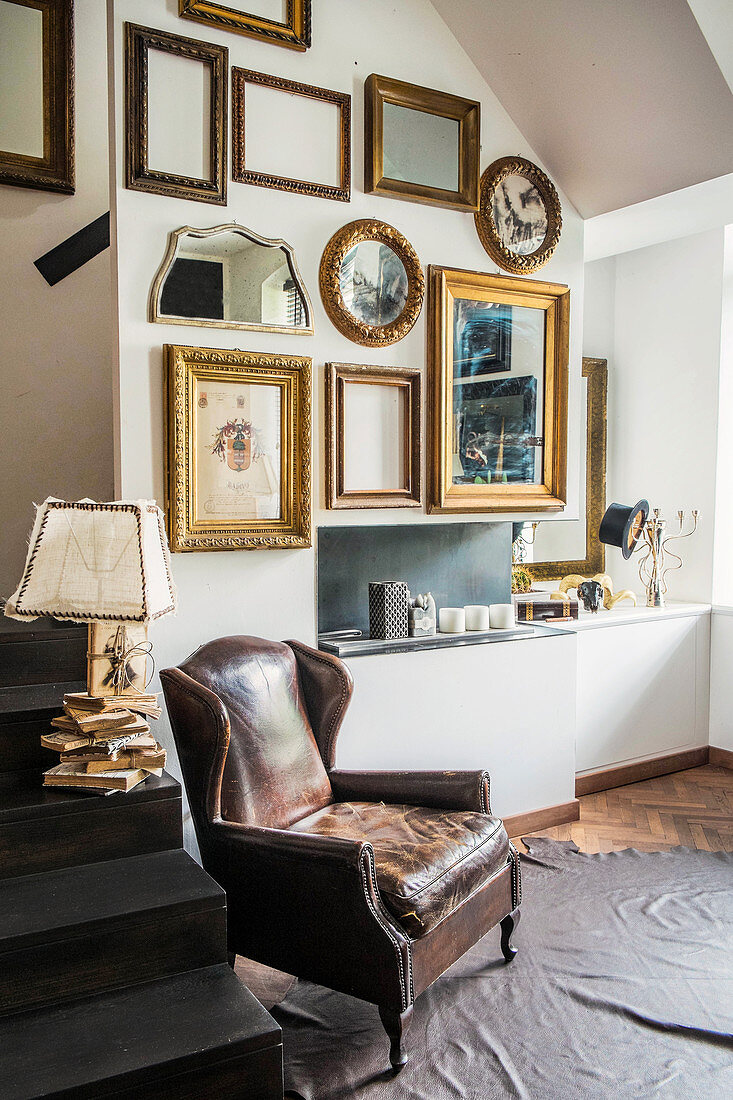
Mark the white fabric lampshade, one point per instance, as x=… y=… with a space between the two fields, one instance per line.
x=91 y=561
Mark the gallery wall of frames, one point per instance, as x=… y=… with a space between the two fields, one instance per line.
x=348 y=293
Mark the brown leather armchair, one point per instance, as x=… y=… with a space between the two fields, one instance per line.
x=372 y=883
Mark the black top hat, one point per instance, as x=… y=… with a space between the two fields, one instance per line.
x=622 y=526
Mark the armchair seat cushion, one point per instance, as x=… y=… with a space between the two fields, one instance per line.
x=427 y=861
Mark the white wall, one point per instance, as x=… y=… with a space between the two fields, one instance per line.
x=665 y=302
x=56 y=424
x=272 y=593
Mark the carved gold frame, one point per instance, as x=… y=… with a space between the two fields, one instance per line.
x=54 y=171
x=446 y=285
x=292 y=374
x=596 y=372
x=379 y=90
x=329 y=281
x=156 y=317
x=484 y=217
x=139 y=176
x=241 y=174
x=409 y=379
x=294 y=33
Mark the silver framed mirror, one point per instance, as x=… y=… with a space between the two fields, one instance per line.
x=230 y=277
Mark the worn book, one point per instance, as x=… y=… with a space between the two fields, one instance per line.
x=94 y=723
x=103 y=750
x=151 y=760
x=537 y=606
x=64 y=742
x=141 y=703
x=72 y=775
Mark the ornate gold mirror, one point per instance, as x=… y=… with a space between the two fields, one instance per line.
x=230 y=277
x=556 y=549
x=371 y=283
x=519 y=219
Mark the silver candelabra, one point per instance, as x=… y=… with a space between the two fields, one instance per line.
x=654 y=547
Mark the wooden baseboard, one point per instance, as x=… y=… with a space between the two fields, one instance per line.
x=521 y=824
x=721 y=758
x=604 y=779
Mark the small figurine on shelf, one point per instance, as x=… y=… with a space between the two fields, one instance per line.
x=422 y=616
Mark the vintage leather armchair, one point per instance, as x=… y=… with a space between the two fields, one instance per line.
x=372 y=883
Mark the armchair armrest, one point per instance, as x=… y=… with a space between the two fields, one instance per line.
x=310 y=905
x=437 y=790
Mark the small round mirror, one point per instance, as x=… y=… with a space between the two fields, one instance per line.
x=371 y=283
x=519 y=218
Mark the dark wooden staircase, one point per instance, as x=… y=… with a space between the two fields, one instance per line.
x=114 y=978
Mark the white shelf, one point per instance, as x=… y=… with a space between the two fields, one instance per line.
x=626 y=613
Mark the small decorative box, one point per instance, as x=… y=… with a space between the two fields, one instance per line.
x=388 y=606
x=537 y=606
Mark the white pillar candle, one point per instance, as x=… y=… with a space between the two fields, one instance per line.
x=477 y=616
x=501 y=616
x=452 y=620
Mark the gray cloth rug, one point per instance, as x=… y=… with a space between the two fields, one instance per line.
x=623 y=987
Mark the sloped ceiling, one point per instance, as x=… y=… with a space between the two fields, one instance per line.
x=622 y=100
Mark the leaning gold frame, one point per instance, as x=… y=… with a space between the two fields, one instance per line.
x=484 y=216
x=329 y=281
x=409 y=379
x=156 y=291
x=445 y=285
x=294 y=32
x=379 y=90
x=185 y=365
x=54 y=171
x=596 y=371
x=241 y=174
x=139 y=176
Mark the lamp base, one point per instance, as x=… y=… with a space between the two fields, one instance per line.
x=117 y=657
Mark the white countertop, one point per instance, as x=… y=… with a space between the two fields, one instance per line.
x=625 y=613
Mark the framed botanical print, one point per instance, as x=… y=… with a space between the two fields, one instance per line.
x=497 y=410
x=238 y=458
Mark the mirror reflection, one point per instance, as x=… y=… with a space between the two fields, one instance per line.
x=519 y=215
x=21 y=63
x=420 y=148
x=373 y=283
x=230 y=277
x=498 y=393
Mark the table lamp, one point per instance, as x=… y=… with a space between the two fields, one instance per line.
x=105 y=564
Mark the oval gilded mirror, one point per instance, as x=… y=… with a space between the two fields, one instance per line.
x=519 y=219
x=230 y=277
x=371 y=283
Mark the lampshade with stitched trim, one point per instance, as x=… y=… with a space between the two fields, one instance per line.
x=92 y=562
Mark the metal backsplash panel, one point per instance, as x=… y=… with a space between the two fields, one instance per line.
x=460 y=563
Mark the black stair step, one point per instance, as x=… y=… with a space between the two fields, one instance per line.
x=187 y=1037
x=41 y=652
x=43 y=829
x=92 y=928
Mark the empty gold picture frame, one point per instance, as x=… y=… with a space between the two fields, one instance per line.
x=408 y=381
x=497 y=421
x=294 y=32
x=139 y=176
x=238 y=460
x=241 y=174
x=382 y=93
x=53 y=169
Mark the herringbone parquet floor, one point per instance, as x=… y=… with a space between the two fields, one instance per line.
x=693 y=808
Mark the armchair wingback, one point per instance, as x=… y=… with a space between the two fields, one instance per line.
x=372 y=883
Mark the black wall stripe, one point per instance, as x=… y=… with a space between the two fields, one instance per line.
x=74 y=252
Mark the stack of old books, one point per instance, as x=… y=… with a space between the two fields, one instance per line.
x=104 y=742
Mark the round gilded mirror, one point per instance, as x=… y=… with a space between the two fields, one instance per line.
x=371 y=283
x=519 y=218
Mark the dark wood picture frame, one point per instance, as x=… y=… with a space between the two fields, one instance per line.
x=139 y=176
x=240 y=172
x=379 y=90
x=294 y=33
x=54 y=171
x=409 y=379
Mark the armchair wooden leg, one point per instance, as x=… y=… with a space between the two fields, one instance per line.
x=396 y=1024
x=508 y=925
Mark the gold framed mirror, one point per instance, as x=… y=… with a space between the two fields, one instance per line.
x=37 y=56
x=371 y=283
x=230 y=277
x=552 y=539
x=519 y=219
x=498 y=378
